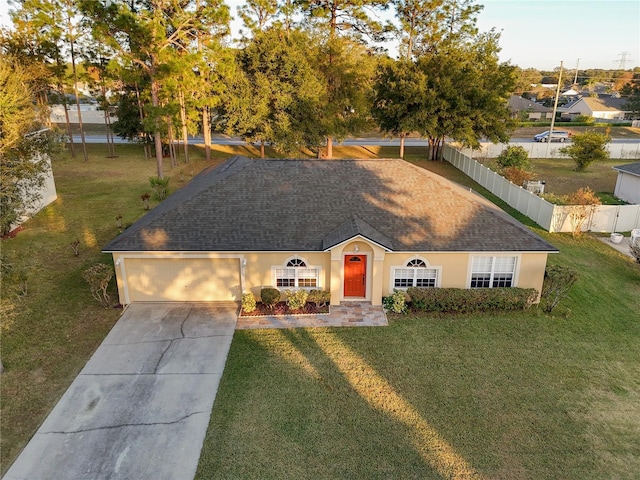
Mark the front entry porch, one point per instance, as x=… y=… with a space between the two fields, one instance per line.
x=347 y=314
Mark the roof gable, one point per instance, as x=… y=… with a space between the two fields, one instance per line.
x=354 y=227
x=305 y=205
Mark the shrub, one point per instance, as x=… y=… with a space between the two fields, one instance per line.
x=270 y=296
x=582 y=204
x=160 y=186
x=449 y=300
x=558 y=280
x=248 y=302
x=145 y=200
x=513 y=156
x=517 y=176
x=296 y=299
x=634 y=248
x=319 y=297
x=555 y=199
x=98 y=277
x=396 y=302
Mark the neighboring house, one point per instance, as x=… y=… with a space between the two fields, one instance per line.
x=90 y=114
x=628 y=182
x=358 y=228
x=528 y=110
x=605 y=108
x=47 y=193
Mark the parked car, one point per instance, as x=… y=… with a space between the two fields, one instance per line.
x=557 y=136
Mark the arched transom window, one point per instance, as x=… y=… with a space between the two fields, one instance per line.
x=296 y=273
x=415 y=273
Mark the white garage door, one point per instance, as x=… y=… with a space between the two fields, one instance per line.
x=182 y=280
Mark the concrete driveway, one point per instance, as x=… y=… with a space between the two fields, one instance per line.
x=140 y=407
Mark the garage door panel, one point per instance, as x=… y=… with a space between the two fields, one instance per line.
x=199 y=279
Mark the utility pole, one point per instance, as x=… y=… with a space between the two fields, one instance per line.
x=575 y=79
x=555 y=107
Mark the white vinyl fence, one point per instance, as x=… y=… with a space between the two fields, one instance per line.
x=553 y=218
x=623 y=151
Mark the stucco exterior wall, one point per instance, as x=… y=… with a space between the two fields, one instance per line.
x=455 y=268
x=258 y=271
x=193 y=276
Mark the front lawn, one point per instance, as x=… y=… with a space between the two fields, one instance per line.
x=518 y=396
x=526 y=396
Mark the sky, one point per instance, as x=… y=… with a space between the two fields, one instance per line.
x=542 y=33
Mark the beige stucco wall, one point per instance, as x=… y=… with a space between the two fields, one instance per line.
x=258 y=271
x=184 y=276
x=455 y=268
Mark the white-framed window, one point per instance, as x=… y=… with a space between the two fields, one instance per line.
x=296 y=273
x=493 y=272
x=415 y=273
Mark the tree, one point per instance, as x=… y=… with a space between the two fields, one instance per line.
x=397 y=93
x=513 y=156
x=147 y=34
x=54 y=24
x=257 y=14
x=425 y=25
x=631 y=92
x=273 y=92
x=586 y=148
x=344 y=64
x=466 y=96
x=23 y=165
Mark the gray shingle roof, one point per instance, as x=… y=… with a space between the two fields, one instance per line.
x=308 y=205
x=632 y=168
x=352 y=227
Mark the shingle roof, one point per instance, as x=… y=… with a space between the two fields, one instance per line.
x=520 y=104
x=598 y=104
x=352 y=227
x=632 y=168
x=307 y=205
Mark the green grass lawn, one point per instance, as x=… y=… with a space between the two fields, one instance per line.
x=526 y=396
x=502 y=396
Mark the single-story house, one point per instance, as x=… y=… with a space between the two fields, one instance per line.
x=528 y=109
x=628 y=182
x=357 y=228
x=610 y=108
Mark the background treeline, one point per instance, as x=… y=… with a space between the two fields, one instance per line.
x=303 y=74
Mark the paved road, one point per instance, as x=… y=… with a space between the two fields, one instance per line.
x=393 y=142
x=140 y=408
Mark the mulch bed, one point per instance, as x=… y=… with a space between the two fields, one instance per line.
x=281 y=308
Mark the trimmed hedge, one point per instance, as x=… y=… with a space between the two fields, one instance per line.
x=460 y=300
x=270 y=296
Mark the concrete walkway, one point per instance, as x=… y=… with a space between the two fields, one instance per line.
x=140 y=408
x=622 y=247
x=349 y=314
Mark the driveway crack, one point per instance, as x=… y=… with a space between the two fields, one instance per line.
x=111 y=427
x=184 y=320
x=155 y=369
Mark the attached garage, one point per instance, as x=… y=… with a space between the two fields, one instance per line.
x=184 y=279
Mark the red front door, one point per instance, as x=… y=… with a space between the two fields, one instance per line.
x=355 y=268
